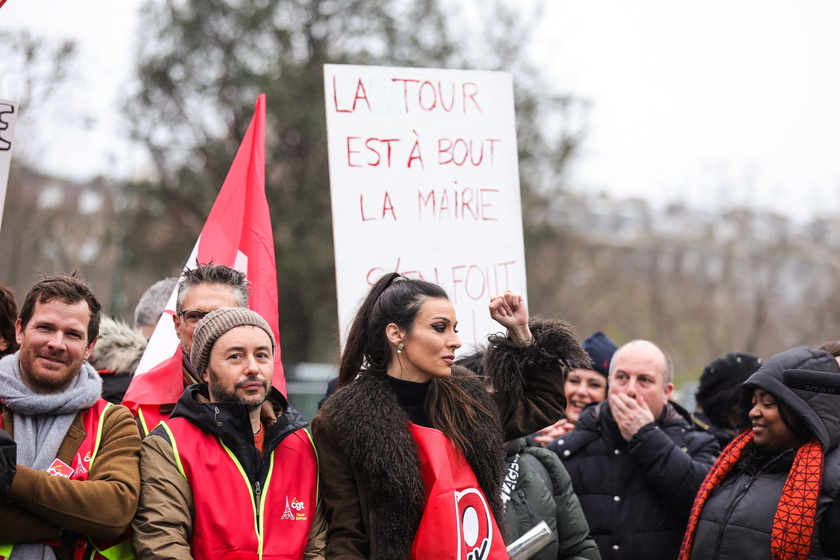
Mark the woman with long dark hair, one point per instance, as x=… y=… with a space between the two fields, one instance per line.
x=411 y=447
x=773 y=491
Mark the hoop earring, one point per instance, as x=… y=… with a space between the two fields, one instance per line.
x=400 y=346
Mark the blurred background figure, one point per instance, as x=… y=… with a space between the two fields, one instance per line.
x=584 y=385
x=719 y=392
x=8 y=316
x=116 y=355
x=152 y=304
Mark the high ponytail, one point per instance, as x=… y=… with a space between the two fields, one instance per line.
x=353 y=357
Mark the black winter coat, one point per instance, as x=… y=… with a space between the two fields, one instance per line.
x=637 y=495
x=737 y=518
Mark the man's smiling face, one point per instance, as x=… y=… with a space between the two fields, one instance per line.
x=53 y=344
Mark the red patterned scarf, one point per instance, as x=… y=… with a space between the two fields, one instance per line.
x=796 y=514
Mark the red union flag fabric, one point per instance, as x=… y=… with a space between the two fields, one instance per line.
x=237 y=234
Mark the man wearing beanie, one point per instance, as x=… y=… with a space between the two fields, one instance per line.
x=232 y=472
x=719 y=392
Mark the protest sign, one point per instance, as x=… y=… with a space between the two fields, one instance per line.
x=8 y=118
x=424 y=181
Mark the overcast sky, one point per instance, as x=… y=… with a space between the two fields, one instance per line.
x=713 y=102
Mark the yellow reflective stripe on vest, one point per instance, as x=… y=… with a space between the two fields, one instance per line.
x=174 y=445
x=99 y=428
x=120 y=551
x=142 y=421
x=261 y=505
x=317 y=467
x=254 y=503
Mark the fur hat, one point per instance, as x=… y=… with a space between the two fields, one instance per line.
x=214 y=325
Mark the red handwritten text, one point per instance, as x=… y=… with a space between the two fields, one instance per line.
x=470 y=281
x=457 y=204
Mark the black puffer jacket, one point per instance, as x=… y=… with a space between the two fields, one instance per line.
x=737 y=518
x=538 y=488
x=637 y=495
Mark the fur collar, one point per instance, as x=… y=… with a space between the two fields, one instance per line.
x=118 y=348
x=371 y=427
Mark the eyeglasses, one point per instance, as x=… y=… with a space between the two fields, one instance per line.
x=192 y=316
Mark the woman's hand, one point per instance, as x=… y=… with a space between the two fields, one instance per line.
x=508 y=309
x=560 y=428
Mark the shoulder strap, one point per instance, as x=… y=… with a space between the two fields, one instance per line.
x=537 y=465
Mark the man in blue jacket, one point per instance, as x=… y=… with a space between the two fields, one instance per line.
x=637 y=460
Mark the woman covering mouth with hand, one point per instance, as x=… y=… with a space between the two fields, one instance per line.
x=773 y=491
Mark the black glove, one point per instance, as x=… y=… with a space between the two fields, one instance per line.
x=8 y=461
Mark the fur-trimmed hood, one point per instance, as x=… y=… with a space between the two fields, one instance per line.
x=118 y=348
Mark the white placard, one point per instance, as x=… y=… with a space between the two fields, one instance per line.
x=8 y=118
x=424 y=181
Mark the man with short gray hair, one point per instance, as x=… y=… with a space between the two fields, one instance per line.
x=637 y=460
x=152 y=304
x=205 y=288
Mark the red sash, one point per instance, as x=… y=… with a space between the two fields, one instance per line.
x=457 y=522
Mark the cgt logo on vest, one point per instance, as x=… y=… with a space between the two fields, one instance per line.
x=475 y=529
x=299 y=514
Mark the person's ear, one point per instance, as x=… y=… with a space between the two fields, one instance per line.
x=89 y=349
x=177 y=320
x=394 y=333
x=669 y=388
x=4 y=344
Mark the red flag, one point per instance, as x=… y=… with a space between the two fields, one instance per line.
x=237 y=234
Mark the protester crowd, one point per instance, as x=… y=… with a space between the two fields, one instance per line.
x=412 y=454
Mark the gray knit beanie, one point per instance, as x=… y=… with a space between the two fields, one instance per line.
x=215 y=324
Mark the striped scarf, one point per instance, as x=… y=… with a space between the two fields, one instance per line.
x=796 y=514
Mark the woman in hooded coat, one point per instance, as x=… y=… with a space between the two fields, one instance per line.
x=773 y=491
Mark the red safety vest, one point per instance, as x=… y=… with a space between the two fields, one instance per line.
x=457 y=521
x=282 y=510
x=87 y=548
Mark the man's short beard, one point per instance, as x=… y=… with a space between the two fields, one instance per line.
x=219 y=393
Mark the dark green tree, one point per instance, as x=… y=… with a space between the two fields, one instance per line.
x=201 y=65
